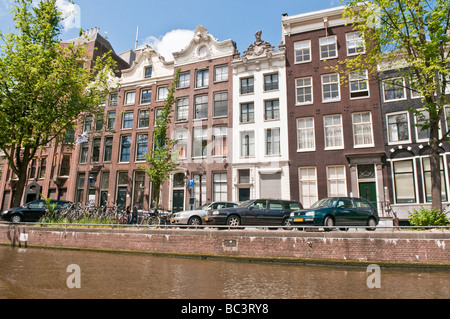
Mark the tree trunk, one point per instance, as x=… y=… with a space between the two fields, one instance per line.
x=435 y=165
x=20 y=187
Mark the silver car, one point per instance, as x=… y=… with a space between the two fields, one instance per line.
x=194 y=217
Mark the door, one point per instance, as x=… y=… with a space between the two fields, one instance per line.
x=178 y=201
x=254 y=213
x=274 y=214
x=121 y=197
x=345 y=212
x=368 y=190
x=244 y=194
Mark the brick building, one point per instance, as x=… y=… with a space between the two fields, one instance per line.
x=338 y=149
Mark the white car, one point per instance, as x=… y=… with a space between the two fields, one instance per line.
x=194 y=217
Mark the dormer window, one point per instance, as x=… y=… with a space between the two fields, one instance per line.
x=148 y=72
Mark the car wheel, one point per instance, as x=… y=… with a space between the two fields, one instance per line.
x=16 y=219
x=329 y=222
x=372 y=223
x=287 y=224
x=195 y=221
x=233 y=221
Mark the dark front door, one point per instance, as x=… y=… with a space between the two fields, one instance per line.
x=178 y=201
x=368 y=190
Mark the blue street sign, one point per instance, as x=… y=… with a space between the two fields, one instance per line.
x=191 y=183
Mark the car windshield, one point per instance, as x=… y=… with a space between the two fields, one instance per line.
x=246 y=203
x=204 y=207
x=326 y=202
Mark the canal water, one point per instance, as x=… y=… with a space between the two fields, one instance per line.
x=44 y=274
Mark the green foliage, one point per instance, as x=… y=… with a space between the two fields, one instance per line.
x=44 y=87
x=161 y=161
x=428 y=217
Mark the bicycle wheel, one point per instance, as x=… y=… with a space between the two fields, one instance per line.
x=154 y=220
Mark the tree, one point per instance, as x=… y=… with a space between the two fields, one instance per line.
x=161 y=161
x=411 y=36
x=43 y=86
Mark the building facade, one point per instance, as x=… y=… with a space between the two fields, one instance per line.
x=260 y=158
x=202 y=122
x=407 y=147
x=336 y=147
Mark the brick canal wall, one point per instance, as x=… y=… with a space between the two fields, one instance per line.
x=417 y=248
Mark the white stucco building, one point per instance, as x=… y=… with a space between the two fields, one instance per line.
x=260 y=148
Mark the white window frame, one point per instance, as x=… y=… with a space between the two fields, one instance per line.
x=331 y=180
x=341 y=136
x=163 y=91
x=181 y=139
x=359 y=77
x=311 y=180
x=330 y=82
x=388 y=115
x=371 y=144
x=222 y=76
x=130 y=101
x=329 y=42
x=302 y=46
x=306 y=129
x=350 y=39
x=273 y=142
x=251 y=146
x=394 y=180
x=303 y=87
x=395 y=99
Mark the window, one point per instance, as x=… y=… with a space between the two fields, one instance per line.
x=148 y=72
x=273 y=141
x=113 y=97
x=146 y=96
x=398 y=127
x=328 y=47
x=200 y=142
x=423 y=134
x=333 y=132
x=355 y=43
x=427 y=177
x=394 y=89
x=80 y=188
x=125 y=148
x=272 y=110
x=99 y=123
x=87 y=126
x=158 y=116
x=203 y=51
x=84 y=151
x=184 y=80
x=141 y=147
x=43 y=168
x=358 y=84
x=202 y=78
x=248 y=144
x=337 y=185
x=302 y=51
x=122 y=189
x=219 y=140
x=111 y=121
x=271 y=82
x=96 y=150
x=163 y=91
x=447 y=116
x=201 y=107
x=144 y=119
x=244 y=176
x=220 y=104
x=104 y=186
x=304 y=91
x=107 y=153
x=130 y=98
x=404 y=182
x=182 y=109
x=220 y=192
x=308 y=186
x=181 y=137
x=139 y=188
x=247 y=113
x=362 y=129
x=247 y=85
x=221 y=73
x=64 y=170
x=330 y=88
x=305 y=134
x=127 y=120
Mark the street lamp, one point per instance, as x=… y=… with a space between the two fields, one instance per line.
x=200 y=171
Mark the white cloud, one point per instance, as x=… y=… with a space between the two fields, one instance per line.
x=173 y=41
x=70 y=12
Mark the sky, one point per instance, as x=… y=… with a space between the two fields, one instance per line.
x=168 y=26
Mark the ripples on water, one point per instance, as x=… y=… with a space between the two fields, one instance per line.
x=34 y=273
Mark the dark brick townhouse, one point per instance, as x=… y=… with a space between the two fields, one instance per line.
x=407 y=148
x=336 y=143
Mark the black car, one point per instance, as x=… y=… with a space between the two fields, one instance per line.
x=32 y=211
x=254 y=212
